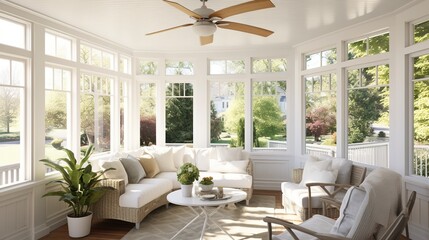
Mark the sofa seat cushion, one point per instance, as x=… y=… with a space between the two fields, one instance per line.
x=233 y=180
x=299 y=195
x=140 y=194
x=172 y=176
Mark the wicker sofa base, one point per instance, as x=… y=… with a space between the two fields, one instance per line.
x=108 y=207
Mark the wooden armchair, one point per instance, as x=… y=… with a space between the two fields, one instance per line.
x=332 y=201
x=367 y=212
x=310 y=196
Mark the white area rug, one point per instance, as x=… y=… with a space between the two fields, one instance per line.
x=241 y=221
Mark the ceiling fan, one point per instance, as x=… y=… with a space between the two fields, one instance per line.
x=208 y=20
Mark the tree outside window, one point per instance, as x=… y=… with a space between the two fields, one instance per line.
x=179 y=113
x=420 y=86
x=269 y=114
x=95 y=111
x=147 y=114
x=368 y=114
x=227 y=113
x=320 y=114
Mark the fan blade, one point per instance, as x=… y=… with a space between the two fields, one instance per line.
x=242 y=8
x=183 y=9
x=204 y=40
x=244 y=28
x=164 y=30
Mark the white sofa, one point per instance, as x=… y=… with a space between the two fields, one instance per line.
x=137 y=193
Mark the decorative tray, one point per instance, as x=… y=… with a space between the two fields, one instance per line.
x=214 y=197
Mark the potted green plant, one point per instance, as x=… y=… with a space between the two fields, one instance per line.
x=80 y=187
x=206 y=184
x=186 y=175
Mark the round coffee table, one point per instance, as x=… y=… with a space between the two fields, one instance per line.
x=231 y=196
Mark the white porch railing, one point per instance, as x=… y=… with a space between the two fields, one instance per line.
x=9 y=174
x=421 y=159
x=374 y=153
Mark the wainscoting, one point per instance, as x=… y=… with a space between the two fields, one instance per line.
x=419 y=222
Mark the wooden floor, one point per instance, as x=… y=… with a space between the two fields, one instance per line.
x=113 y=229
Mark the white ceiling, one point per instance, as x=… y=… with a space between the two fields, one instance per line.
x=127 y=21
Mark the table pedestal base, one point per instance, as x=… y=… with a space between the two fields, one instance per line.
x=207 y=214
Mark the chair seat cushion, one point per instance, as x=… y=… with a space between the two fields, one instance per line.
x=317 y=223
x=148 y=189
x=172 y=176
x=298 y=195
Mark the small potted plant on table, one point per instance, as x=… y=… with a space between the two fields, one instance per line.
x=206 y=184
x=186 y=175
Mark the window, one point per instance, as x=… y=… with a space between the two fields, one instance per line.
x=320 y=114
x=321 y=59
x=173 y=67
x=368 y=115
x=146 y=67
x=267 y=65
x=13 y=33
x=58 y=46
x=227 y=113
x=123 y=111
x=269 y=114
x=12 y=121
x=420 y=88
x=179 y=113
x=95 y=111
x=57 y=110
x=421 y=32
x=368 y=46
x=97 y=57
x=125 y=65
x=147 y=114
x=226 y=66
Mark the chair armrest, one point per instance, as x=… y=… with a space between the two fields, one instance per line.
x=297 y=175
x=290 y=227
x=331 y=195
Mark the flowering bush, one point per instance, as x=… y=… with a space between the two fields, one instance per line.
x=207 y=180
x=187 y=174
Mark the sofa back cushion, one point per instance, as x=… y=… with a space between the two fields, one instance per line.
x=164 y=158
x=203 y=156
x=238 y=166
x=133 y=168
x=150 y=165
x=118 y=173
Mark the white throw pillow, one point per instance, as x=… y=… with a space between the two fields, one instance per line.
x=316 y=170
x=178 y=153
x=118 y=173
x=343 y=166
x=202 y=158
x=164 y=158
x=239 y=166
x=228 y=154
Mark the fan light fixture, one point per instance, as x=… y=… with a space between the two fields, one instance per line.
x=204 y=28
x=208 y=20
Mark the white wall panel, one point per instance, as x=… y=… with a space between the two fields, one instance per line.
x=270 y=171
x=15 y=215
x=419 y=221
